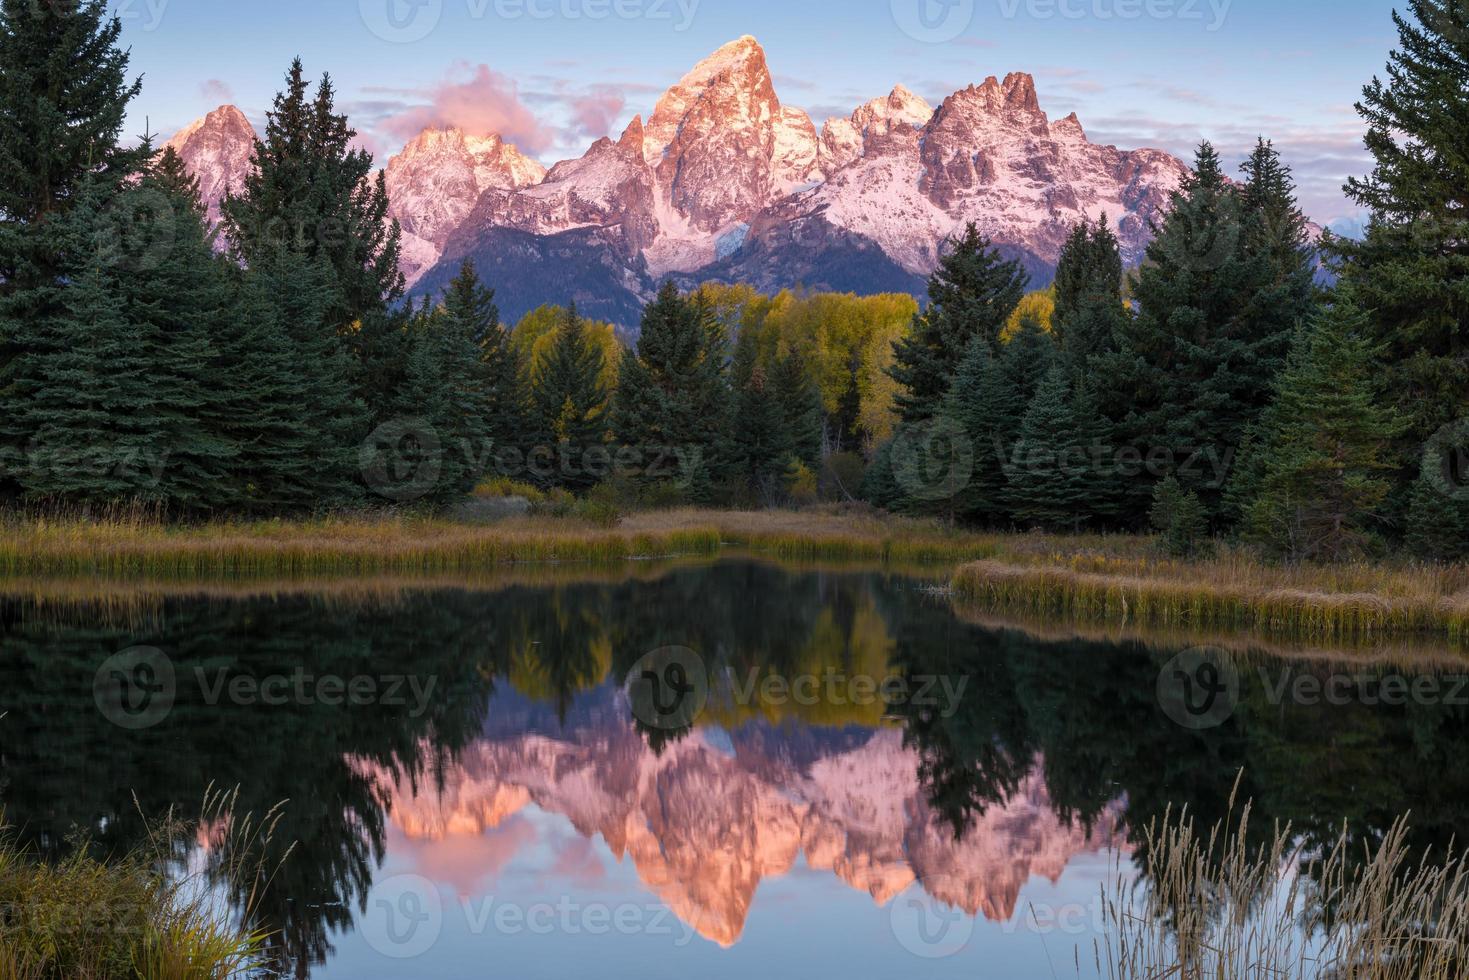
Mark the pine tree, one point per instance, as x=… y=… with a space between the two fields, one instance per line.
x=1179 y=518
x=1216 y=310
x=418 y=460
x=1412 y=269
x=1088 y=291
x=1027 y=359
x=167 y=297
x=1050 y=467
x=1438 y=516
x=672 y=389
x=265 y=410
x=177 y=298
x=972 y=294
x=84 y=400
x=798 y=401
x=760 y=438
x=500 y=374
x=879 y=485
x=309 y=193
x=1322 y=458
x=444 y=383
x=332 y=420
x=571 y=406
x=1276 y=226
x=983 y=403
x=64 y=93
x=171 y=176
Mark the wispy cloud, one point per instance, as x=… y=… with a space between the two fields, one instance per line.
x=1321 y=156
x=476 y=99
x=216 y=91
x=593 y=113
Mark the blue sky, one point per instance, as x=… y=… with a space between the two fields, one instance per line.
x=555 y=74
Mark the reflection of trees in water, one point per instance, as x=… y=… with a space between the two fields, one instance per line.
x=63 y=766
x=1083 y=711
x=1088 y=714
x=66 y=766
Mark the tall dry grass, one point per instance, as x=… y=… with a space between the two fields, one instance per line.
x=1212 y=907
x=1347 y=602
x=127 y=544
x=1115 y=579
x=85 y=918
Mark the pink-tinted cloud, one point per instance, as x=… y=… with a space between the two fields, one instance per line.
x=594 y=113
x=216 y=91
x=477 y=100
x=467 y=862
x=579 y=861
x=1321 y=156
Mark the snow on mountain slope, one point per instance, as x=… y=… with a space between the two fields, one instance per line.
x=725 y=181
x=844 y=141
x=436 y=181
x=217 y=149
x=990 y=155
x=710 y=817
x=734 y=185
x=723 y=146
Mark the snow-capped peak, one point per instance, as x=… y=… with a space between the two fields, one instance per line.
x=845 y=140
x=739 y=67
x=723 y=180
x=217 y=149
x=436 y=180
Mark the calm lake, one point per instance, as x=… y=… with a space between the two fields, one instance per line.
x=732 y=769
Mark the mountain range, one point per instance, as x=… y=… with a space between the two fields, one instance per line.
x=708 y=818
x=724 y=182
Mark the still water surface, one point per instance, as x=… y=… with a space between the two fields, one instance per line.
x=869 y=783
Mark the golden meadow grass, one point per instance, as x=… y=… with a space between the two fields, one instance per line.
x=1210 y=906
x=82 y=918
x=1407 y=652
x=1233 y=592
x=347 y=545
x=1097 y=579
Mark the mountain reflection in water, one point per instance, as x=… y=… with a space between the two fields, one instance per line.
x=524 y=776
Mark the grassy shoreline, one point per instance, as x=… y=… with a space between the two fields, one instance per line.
x=1115 y=580
x=404 y=545
x=1343 y=603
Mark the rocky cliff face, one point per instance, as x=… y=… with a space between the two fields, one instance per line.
x=734 y=185
x=712 y=816
x=726 y=182
x=437 y=180
x=217 y=149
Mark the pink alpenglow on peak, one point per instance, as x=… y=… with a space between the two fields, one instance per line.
x=436 y=181
x=217 y=149
x=725 y=181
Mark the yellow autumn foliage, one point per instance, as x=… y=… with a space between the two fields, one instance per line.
x=536 y=332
